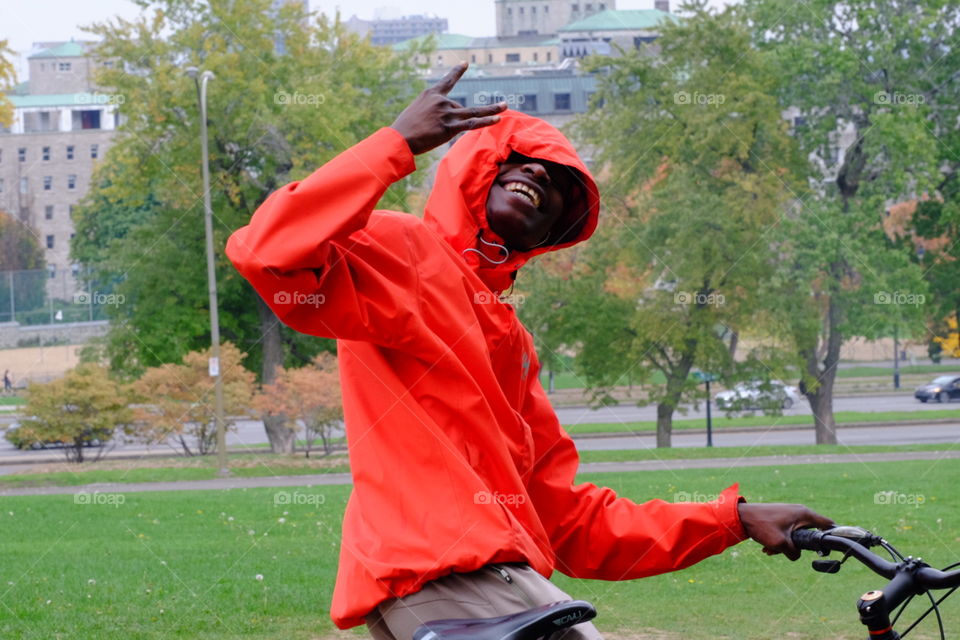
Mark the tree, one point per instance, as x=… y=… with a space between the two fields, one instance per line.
x=81 y=409
x=177 y=400
x=275 y=114
x=875 y=86
x=309 y=396
x=20 y=252
x=8 y=79
x=699 y=164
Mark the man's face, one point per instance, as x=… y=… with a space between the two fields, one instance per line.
x=527 y=200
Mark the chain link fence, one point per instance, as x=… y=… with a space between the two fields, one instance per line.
x=33 y=297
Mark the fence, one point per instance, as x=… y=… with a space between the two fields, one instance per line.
x=34 y=297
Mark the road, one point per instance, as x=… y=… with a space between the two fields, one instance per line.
x=251 y=431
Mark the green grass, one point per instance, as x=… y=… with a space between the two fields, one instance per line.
x=11 y=400
x=184 y=564
x=698 y=453
x=199 y=469
x=721 y=421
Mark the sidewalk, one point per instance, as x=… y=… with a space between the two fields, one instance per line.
x=592 y=467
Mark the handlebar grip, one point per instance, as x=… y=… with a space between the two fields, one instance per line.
x=808 y=539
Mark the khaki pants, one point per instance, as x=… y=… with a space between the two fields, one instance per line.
x=494 y=590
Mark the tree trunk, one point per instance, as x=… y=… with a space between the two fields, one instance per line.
x=281 y=437
x=821 y=398
x=664 y=425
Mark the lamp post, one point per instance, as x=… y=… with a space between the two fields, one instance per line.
x=200 y=79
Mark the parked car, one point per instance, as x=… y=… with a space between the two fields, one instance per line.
x=22 y=438
x=758 y=394
x=942 y=389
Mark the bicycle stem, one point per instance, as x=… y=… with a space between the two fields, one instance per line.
x=875 y=606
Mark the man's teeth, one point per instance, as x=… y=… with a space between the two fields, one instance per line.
x=523 y=190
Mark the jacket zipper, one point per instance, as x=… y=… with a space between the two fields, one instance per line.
x=509 y=580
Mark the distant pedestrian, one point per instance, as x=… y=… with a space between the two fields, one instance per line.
x=7 y=381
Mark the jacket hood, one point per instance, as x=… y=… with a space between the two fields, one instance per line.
x=457 y=206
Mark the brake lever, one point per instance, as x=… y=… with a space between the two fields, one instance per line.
x=830 y=566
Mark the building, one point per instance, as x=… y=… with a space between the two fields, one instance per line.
x=543 y=17
x=392 y=31
x=62 y=126
x=488 y=55
x=602 y=32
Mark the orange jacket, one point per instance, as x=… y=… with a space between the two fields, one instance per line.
x=458 y=458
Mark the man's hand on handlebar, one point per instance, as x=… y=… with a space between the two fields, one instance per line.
x=771 y=524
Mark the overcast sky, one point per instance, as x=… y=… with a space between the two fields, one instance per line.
x=23 y=22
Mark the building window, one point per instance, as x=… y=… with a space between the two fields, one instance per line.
x=48 y=212
x=24 y=185
x=86 y=119
x=1 y=155
x=549 y=55
x=460 y=100
x=1 y=185
x=561 y=102
x=22 y=154
x=509 y=11
x=521 y=10
x=489 y=58
x=533 y=10
x=71 y=211
x=70 y=152
x=71 y=182
x=52 y=271
x=602 y=6
x=536 y=56
x=546 y=8
x=589 y=7
x=473 y=57
x=50 y=242
x=576 y=8
x=63 y=66
x=46 y=153
x=529 y=104
x=513 y=57
x=94 y=151
x=47 y=183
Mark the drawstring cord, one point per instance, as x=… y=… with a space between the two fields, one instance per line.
x=490 y=244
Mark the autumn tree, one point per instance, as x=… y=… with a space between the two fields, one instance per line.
x=291 y=91
x=307 y=396
x=83 y=408
x=8 y=79
x=21 y=266
x=697 y=166
x=177 y=403
x=875 y=90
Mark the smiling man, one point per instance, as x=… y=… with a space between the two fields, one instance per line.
x=464 y=499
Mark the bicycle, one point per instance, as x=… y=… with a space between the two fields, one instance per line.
x=908 y=577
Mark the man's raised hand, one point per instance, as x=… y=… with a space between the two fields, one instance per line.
x=433 y=119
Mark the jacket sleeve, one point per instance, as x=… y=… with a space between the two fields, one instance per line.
x=316 y=257
x=596 y=534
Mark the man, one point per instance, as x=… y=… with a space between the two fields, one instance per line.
x=464 y=499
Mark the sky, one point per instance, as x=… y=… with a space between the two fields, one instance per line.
x=23 y=22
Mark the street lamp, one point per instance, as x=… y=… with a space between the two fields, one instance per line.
x=200 y=79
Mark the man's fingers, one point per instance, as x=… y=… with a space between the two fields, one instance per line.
x=475 y=123
x=480 y=112
x=448 y=81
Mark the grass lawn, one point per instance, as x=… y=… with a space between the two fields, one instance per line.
x=11 y=400
x=186 y=564
x=698 y=453
x=171 y=469
x=721 y=421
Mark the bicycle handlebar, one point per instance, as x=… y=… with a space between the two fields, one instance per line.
x=925 y=577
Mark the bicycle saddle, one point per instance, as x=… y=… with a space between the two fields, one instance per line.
x=534 y=623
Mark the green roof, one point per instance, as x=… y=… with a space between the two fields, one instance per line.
x=617 y=19
x=444 y=41
x=66 y=50
x=55 y=100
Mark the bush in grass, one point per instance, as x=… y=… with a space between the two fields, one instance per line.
x=307 y=396
x=178 y=404
x=83 y=409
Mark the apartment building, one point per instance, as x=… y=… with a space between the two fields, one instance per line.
x=62 y=126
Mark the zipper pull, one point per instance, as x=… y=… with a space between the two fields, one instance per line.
x=506 y=576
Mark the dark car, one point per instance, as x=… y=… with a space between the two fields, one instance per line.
x=942 y=389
